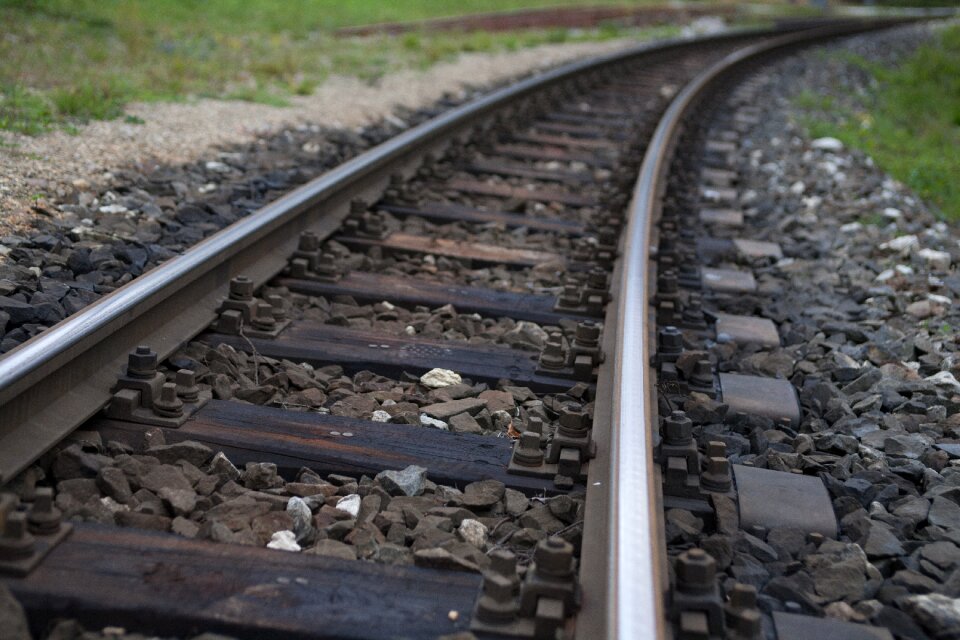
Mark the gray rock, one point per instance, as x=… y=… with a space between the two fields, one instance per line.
x=302 y=517
x=464 y=423
x=406 y=482
x=483 y=494
x=333 y=549
x=881 y=542
x=165 y=476
x=936 y=613
x=754 y=546
x=195 y=453
x=13 y=620
x=261 y=475
x=944 y=512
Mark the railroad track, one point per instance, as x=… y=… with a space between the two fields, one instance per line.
x=437 y=371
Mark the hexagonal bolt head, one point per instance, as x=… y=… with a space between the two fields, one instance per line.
x=716 y=449
x=44 y=517
x=678 y=428
x=168 y=405
x=186 y=384
x=142 y=363
x=327 y=264
x=308 y=241
x=553 y=557
x=241 y=288
x=277 y=307
x=702 y=373
x=527 y=451
x=696 y=569
x=669 y=340
x=667 y=283
x=597 y=279
x=553 y=356
x=571 y=416
x=743 y=596
x=504 y=562
x=571 y=295
x=535 y=424
x=588 y=334
x=263 y=318
x=359 y=205
x=16 y=541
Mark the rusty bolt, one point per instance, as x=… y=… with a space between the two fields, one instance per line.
x=373 y=224
x=696 y=570
x=308 y=241
x=241 y=288
x=497 y=603
x=187 y=388
x=743 y=596
x=553 y=557
x=667 y=283
x=677 y=428
x=327 y=264
x=588 y=334
x=359 y=205
x=504 y=563
x=571 y=295
x=716 y=449
x=553 y=356
x=535 y=424
x=717 y=475
x=142 y=363
x=263 y=318
x=669 y=343
x=597 y=279
x=572 y=422
x=44 y=517
x=277 y=307
x=527 y=451
x=746 y=624
x=16 y=541
x=702 y=374
x=168 y=404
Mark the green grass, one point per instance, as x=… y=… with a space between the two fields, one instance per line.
x=69 y=61
x=910 y=125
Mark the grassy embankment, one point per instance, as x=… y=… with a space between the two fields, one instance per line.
x=910 y=122
x=68 y=61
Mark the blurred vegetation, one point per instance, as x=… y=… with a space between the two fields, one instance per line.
x=69 y=61
x=911 y=123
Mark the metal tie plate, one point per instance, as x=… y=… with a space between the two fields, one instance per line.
x=746 y=330
x=725 y=217
x=728 y=280
x=793 y=626
x=782 y=500
x=772 y=398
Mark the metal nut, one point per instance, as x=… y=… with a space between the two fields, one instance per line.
x=241 y=288
x=142 y=363
x=677 y=428
x=696 y=569
x=553 y=557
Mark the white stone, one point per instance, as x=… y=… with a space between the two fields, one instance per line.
x=388 y=306
x=302 y=516
x=811 y=202
x=349 y=504
x=473 y=532
x=893 y=214
x=433 y=423
x=798 y=187
x=380 y=416
x=827 y=144
x=440 y=378
x=904 y=269
x=885 y=275
x=830 y=168
x=113 y=208
x=936 y=298
x=219 y=167
x=944 y=379
x=938 y=260
x=903 y=244
x=284 y=541
x=851 y=227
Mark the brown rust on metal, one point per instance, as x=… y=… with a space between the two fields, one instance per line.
x=374 y=287
x=461 y=213
x=551 y=154
x=167 y=585
x=293 y=440
x=477 y=251
x=358 y=350
x=498 y=166
x=772 y=398
x=500 y=190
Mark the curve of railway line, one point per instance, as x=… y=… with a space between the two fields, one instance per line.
x=462 y=383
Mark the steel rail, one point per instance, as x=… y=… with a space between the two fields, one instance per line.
x=636 y=571
x=55 y=381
